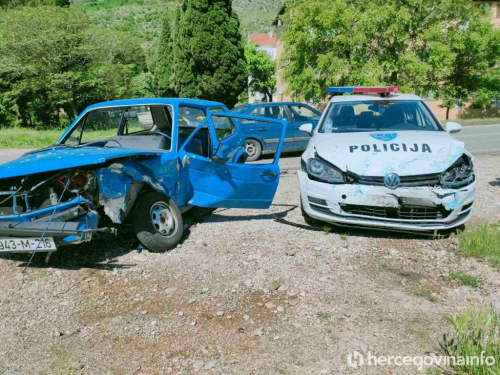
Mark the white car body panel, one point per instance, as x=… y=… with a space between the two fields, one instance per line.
x=376 y=154
x=364 y=155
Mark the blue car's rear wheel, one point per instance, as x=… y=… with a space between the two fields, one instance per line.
x=158 y=222
x=253 y=149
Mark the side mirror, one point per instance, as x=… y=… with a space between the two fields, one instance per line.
x=306 y=128
x=453 y=127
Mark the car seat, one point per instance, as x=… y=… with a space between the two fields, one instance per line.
x=194 y=147
x=393 y=115
x=346 y=116
x=276 y=112
x=365 y=120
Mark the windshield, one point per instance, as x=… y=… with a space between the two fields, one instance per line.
x=106 y=123
x=369 y=115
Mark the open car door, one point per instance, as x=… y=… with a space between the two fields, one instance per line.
x=217 y=179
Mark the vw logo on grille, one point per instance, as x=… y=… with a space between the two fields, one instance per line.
x=392 y=181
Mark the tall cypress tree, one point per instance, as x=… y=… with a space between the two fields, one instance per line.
x=164 y=60
x=209 y=59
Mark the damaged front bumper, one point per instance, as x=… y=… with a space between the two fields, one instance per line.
x=409 y=208
x=68 y=223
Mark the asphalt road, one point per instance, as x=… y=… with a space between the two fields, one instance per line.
x=478 y=139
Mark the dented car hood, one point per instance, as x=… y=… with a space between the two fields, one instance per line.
x=405 y=153
x=65 y=158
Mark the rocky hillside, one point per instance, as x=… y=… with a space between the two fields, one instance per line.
x=142 y=18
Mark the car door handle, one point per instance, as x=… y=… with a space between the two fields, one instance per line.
x=262 y=129
x=268 y=174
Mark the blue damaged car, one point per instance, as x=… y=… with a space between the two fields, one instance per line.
x=263 y=137
x=142 y=162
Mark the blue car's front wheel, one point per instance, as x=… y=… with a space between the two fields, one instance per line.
x=158 y=222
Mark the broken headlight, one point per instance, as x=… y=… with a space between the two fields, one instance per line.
x=460 y=174
x=320 y=170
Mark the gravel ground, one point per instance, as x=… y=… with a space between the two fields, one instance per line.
x=243 y=294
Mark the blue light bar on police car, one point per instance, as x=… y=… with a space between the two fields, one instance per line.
x=364 y=89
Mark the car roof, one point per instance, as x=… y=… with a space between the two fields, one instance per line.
x=145 y=101
x=355 y=98
x=273 y=103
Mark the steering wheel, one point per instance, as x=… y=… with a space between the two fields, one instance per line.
x=159 y=133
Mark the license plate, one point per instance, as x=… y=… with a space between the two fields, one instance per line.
x=27 y=244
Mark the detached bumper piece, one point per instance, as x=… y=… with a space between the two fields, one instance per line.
x=34 y=229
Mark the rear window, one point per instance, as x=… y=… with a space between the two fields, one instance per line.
x=370 y=115
x=240 y=109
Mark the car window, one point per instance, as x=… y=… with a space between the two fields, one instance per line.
x=190 y=116
x=212 y=110
x=303 y=113
x=386 y=115
x=224 y=127
x=98 y=124
x=240 y=109
x=138 y=119
x=276 y=112
x=104 y=123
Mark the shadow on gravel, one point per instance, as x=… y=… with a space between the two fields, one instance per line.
x=371 y=232
x=101 y=253
x=495 y=183
x=216 y=218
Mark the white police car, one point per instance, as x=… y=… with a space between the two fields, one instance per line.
x=383 y=159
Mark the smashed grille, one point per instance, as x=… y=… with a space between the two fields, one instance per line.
x=404 y=212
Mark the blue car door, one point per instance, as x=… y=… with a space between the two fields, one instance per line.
x=217 y=181
x=301 y=114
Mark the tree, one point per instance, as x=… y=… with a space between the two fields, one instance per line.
x=475 y=74
x=164 y=61
x=369 y=42
x=53 y=59
x=209 y=60
x=262 y=70
x=18 y=3
x=62 y=3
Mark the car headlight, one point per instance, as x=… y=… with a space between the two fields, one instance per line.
x=324 y=171
x=460 y=174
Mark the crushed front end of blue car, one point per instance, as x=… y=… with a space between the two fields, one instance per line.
x=64 y=196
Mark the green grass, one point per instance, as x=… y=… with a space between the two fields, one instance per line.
x=468 y=280
x=473 y=332
x=427 y=295
x=481 y=242
x=324 y=316
x=23 y=138
x=477 y=121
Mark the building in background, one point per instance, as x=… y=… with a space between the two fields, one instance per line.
x=266 y=43
x=494 y=7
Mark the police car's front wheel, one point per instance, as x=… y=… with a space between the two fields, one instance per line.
x=308 y=219
x=253 y=149
x=158 y=222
